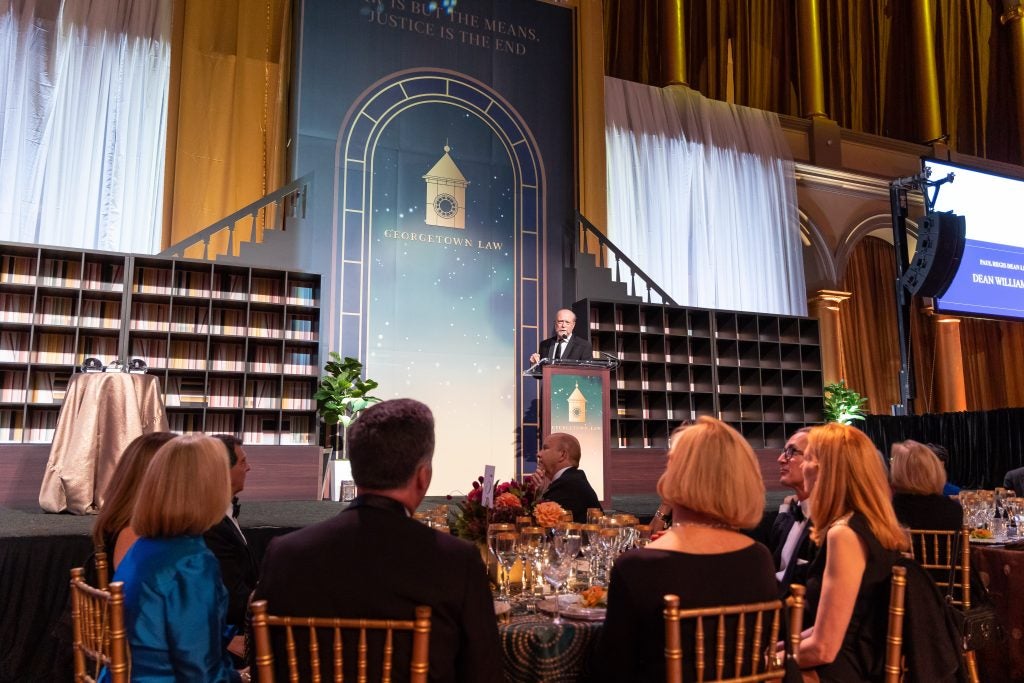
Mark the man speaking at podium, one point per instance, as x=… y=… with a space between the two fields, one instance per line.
x=564 y=345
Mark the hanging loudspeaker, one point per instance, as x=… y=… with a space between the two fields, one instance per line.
x=940 y=246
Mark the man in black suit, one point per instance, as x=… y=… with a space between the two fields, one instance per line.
x=373 y=560
x=790 y=538
x=238 y=568
x=564 y=345
x=560 y=477
x=1014 y=480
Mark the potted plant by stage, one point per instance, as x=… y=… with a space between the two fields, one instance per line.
x=342 y=394
x=842 y=404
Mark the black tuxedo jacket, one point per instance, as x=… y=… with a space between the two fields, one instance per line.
x=1014 y=479
x=577 y=348
x=373 y=560
x=573 y=492
x=238 y=568
x=805 y=550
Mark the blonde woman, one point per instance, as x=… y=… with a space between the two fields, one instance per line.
x=713 y=485
x=918 y=478
x=175 y=602
x=860 y=539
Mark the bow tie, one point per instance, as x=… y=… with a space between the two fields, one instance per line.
x=235 y=507
x=797 y=512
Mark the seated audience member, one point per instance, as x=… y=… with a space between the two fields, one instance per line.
x=374 y=560
x=1014 y=480
x=713 y=483
x=174 y=601
x=111 y=530
x=860 y=539
x=917 y=480
x=238 y=568
x=790 y=538
x=942 y=453
x=560 y=479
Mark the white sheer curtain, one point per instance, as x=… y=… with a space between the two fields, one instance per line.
x=83 y=118
x=702 y=196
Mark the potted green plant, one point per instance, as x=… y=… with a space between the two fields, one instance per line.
x=842 y=404
x=342 y=394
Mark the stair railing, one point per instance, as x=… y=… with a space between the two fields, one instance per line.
x=590 y=240
x=290 y=200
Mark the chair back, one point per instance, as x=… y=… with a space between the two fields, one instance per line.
x=742 y=639
x=947 y=557
x=314 y=626
x=99 y=634
x=102 y=569
x=894 y=637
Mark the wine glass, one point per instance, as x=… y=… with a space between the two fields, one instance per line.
x=493 y=530
x=505 y=551
x=555 y=572
x=531 y=540
x=567 y=546
x=643 y=535
x=589 y=547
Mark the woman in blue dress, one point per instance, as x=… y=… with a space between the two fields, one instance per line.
x=174 y=600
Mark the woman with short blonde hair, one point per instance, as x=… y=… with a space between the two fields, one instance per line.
x=918 y=478
x=713 y=484
x=860 y=539
x=175 y=602
x=186 y=489
x=915 y=468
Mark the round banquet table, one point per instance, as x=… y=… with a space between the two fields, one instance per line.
x=534 y=649
x=1001 y=569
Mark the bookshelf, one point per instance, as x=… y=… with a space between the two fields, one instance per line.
x=760 y=373
x=237 y=349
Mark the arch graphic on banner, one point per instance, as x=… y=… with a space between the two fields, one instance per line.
x=360 y=131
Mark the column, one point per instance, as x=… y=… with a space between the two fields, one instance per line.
x=812 y=89
x=824 y=306
x=592 y=193
x=929 y=118
x=672 y=42
x=950 y=393
x=1013 y=17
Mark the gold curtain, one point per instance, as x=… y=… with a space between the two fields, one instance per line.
x=993 y=369
x=231 y=110
x=867 y=63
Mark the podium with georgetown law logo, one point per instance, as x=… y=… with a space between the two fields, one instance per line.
x=574 y=399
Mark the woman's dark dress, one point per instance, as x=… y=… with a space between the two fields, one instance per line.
x=934 y=512
x=862 y=655
x=633 y=640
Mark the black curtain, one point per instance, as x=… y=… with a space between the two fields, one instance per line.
x=983 y=446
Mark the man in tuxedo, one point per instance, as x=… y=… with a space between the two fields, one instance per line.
x=374 y=560
x=238 y=568
x=560 y=477
x=790 y=535
x=1014 y=480
x=564 y=345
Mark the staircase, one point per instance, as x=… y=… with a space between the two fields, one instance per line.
x=260 y=234
x=603 y=272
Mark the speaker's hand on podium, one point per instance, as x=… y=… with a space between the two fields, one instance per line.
x=534 y=358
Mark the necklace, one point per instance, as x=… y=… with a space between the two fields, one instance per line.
x=705 y=525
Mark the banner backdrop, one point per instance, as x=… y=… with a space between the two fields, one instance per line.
x=441 y=142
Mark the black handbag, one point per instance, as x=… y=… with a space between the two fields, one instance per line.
x=979 y=626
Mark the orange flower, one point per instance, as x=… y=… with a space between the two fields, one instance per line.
x=507 y=500
x=548 y=513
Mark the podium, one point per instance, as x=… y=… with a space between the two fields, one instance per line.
x=574 y=399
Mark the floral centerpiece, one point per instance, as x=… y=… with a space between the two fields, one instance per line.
x=511 y=499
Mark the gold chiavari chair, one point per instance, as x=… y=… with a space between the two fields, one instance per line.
x=947 y=557
x=263 y=622
x=99 y=634
x=740 y=636
x=894 y=637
